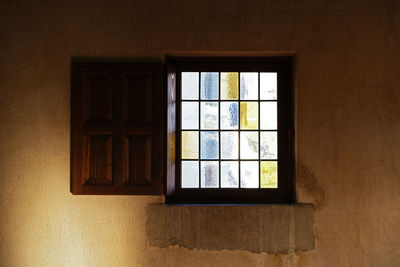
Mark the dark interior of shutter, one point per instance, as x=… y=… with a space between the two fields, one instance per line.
x=117 y=128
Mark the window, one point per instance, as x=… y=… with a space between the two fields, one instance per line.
x=201 y=130
x=234 y=130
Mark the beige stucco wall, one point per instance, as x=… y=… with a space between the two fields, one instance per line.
x=348 y=124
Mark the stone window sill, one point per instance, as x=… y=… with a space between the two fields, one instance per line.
x=280 y=229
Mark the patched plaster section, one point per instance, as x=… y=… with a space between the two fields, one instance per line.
x=279 y=229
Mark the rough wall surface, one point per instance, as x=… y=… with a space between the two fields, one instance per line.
x=347 y=122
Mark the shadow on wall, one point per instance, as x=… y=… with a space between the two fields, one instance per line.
x=309 y=185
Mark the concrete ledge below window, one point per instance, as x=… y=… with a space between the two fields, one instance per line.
x=269 y=228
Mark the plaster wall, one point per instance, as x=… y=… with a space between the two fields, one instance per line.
x=347 y=124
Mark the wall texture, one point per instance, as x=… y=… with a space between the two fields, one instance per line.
x=347 y=117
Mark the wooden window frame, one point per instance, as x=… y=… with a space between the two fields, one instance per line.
x=285 y=193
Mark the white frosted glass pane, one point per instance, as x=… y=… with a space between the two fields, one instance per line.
x=269 y=145
x=249 y=145
x=209 y=174
x=190 y=115
x=268 y=86
x=249 y=85
x=209 y=145
x=190 y=174
x=249 y=174
x=229 y=115
x=229 y=174
x=209 y=85
x=190 y=85
x=229 y=145
x=209 y=115
x=268 y=116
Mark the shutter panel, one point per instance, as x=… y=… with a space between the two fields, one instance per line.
x=117 y=128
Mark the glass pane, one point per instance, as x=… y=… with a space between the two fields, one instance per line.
x=190 y=115
x=209 y=145
x=229 y=115
x=269 y=145
x=249 y=85
x=229 y=174
x=268 y=114
x=209 y=115
x=249 y=145
x=249 y=174
x=190 y=85
x=269 y=174
x=209 y=85
x=249 y=115
x=229 y=145
x=268 y=86
x=229 y=85
x=190 y=174
x=209 y=174
x=190 y=145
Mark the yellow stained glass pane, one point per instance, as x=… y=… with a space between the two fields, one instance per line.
x=269 y=174
x=190 y=145
x=249 y=115
x=229 y=85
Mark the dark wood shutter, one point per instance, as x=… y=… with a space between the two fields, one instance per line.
x=117 y=128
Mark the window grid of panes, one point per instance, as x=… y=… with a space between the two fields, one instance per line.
x=229 y=130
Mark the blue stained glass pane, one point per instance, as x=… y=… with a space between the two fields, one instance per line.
x=209 y=174
x=209 y=85
x=229 y=115
x=209 y=145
